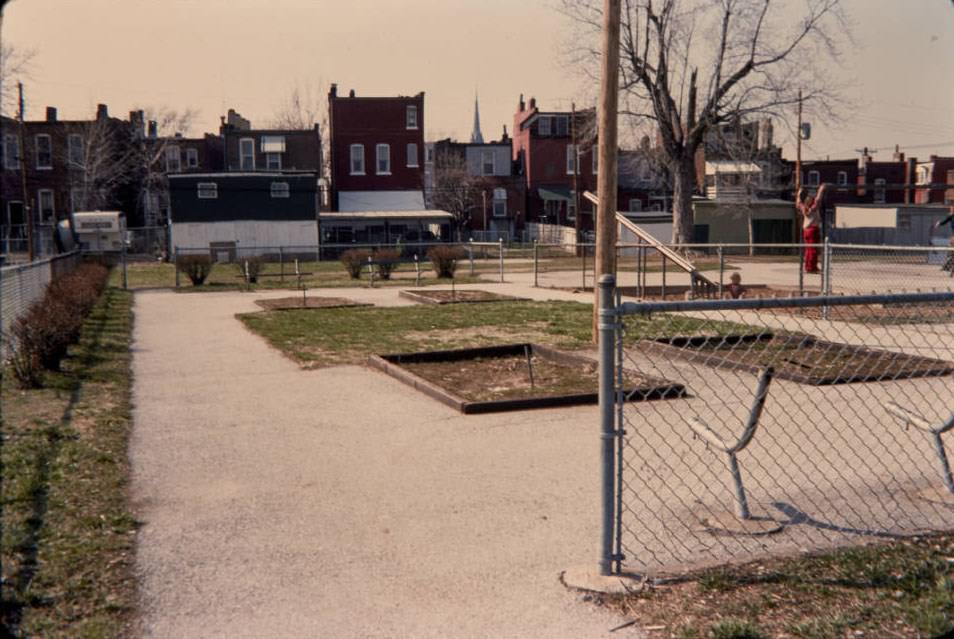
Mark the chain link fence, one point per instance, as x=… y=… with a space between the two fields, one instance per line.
x=785 y=425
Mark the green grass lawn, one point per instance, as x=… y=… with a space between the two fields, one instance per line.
x=897 y=589
x=68 y=535
x=348 y=335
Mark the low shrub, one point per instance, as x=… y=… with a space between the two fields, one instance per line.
x=444 y=259
x=354 y=260
x=256 y=264
x=387 y=260
x=195 y=267
x=42 y=335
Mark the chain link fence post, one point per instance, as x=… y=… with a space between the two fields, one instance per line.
x=175 y=260
x=536 y=260
x=721 y=252
x=501 y=249
x=607 y=403
x=281 y=265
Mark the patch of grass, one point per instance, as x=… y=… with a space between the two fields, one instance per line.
x=903 y=588
x=347 y=336
x=68 y=535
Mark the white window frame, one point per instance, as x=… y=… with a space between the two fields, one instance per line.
x=280 y=190
x=207 y=190
x=49 y=151
x=412 y=159
x=246 y=143
x=842 y=178
x=378 y=148
x=173 y=159
x=638 y=205
x=39 y=205
x=356 y=162
x=500 y=202
x=11 y=161
x=880 y=192
x=273 y=161
x=270 y=142
x=544 y=131
x=192 y=158
x=410 y=117
x=571 y=159
x=484 y=154
x=74 y=146
x=813 y=178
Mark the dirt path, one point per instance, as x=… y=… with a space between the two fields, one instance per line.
x=338 y=503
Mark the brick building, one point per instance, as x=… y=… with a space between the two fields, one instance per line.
x=885 y=182
x=931 y=178
x=841 y=176
x=376 y=152
x=246 y=149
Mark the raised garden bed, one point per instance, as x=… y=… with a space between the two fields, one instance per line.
x=293 y=303
x=799 y=358
x=498 y=378
x=445 y=296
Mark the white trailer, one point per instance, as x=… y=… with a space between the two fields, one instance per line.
x=100 y=231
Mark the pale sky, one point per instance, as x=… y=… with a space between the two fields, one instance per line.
x=210 y=55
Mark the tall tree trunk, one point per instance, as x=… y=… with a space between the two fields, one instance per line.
x=683 y=181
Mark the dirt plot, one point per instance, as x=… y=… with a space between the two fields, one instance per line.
x=444 y=296
x=800 y=358
x=290 y=303
x=880 y=314
x=512 y=377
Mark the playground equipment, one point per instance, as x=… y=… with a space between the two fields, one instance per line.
x=945 y=494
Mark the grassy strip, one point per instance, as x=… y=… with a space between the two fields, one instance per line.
x=347 y=336
x=899 y=589
x=68 y=535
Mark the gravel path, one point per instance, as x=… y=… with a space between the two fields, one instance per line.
x=279 y=502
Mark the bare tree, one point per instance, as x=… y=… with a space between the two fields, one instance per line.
x=689 y=65
x=303 y=108
x=14 y=66
x=455 y=190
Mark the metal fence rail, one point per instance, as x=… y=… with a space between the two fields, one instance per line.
x=793 y=432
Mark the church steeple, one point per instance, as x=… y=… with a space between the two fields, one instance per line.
x=476 y=137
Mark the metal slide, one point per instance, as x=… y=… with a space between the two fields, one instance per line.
x=697 y=278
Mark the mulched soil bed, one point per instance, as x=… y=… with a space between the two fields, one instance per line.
x=498 y=378
x=445 y=296
x=800 y=358
x=292 y=303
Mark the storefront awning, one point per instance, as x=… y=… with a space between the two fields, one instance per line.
x=559 y=193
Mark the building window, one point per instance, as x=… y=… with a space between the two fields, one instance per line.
x=543 y=128
x=429 y=154
x=635 y=205
x=46 y=207
x=207 y=190
x=813 y=179
x=500 y=202
x=879 y=191
x=192 y=158
x=273 y=144
x=273 y=161
x=571 y=159
x=173 y=159
x=75 y=149
x=44 y=151
x=487 y=165
x=357 y=159
x=383 y=154
x=280 y=189
x=924 y=175
x=842 y=178
x=247 y=154
x=11 y=152
x=411 y=116
x=561 y=125
x=412 y=154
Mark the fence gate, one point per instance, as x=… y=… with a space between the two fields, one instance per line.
x=750 y=427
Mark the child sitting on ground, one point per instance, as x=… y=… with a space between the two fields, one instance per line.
x=735 y=288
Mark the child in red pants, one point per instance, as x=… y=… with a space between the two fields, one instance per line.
x=810 y=210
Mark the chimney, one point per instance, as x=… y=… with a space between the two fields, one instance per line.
x=136 y=122
x=153 y=129
x=333 y=91
x=50 y=114
x=101 y=112
x=520 y=104
x=909 y=167
x=533 y=103
x=351 y=93
x=504 y=137
x=898 y=155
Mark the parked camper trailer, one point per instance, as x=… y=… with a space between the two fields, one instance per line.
x=100 y=231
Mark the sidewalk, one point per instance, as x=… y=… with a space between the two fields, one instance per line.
x=279 y=502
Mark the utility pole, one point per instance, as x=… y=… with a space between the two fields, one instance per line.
x=483 y=197
x=27 y=209
x=576 y=173
x=605 y=263
x=798 y=168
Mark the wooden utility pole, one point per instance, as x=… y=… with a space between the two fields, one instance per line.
x=798 y=168
x=27 y=209
x=576 y=173
x=606 y=180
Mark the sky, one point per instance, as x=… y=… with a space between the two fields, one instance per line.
x=210 y=55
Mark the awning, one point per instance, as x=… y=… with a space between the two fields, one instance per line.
x=560 y=193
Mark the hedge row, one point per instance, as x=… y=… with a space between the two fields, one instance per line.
x=42 y=335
